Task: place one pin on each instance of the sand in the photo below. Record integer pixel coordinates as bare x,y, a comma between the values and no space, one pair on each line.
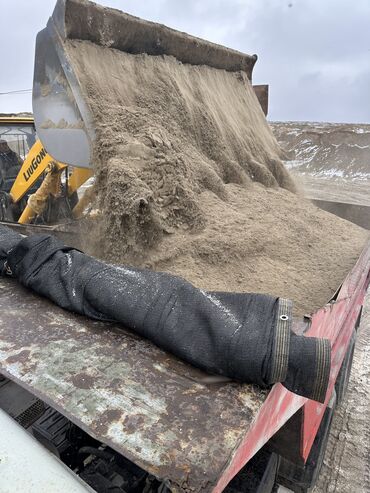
189,180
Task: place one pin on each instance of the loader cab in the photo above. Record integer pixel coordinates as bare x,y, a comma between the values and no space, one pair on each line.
20,133
17,136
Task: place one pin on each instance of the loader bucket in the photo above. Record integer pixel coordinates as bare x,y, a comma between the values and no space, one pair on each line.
62,117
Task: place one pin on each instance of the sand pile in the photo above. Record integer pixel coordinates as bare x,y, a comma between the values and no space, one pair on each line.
189,180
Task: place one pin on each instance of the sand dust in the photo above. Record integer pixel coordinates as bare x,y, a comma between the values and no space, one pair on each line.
189,181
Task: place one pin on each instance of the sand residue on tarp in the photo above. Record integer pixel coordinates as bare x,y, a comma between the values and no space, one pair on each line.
189,180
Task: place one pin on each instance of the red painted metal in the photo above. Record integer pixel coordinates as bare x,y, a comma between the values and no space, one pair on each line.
336,321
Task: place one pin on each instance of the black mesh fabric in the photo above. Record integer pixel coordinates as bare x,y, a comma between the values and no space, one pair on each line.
8,239
238,335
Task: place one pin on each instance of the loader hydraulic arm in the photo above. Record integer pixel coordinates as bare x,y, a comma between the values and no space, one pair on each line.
32,168
37,162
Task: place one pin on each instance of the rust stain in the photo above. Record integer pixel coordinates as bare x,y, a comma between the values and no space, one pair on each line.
103,422
83,381
133,423
20,357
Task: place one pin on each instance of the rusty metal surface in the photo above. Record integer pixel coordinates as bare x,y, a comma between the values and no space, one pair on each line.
147,405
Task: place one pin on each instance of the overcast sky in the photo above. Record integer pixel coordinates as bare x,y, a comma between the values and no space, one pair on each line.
315,54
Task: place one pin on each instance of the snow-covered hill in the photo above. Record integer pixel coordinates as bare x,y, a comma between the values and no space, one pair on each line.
326,150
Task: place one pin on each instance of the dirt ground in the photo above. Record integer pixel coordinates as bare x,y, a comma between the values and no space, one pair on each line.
346,466
346,191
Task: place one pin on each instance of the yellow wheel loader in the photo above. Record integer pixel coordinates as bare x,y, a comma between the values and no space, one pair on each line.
34,188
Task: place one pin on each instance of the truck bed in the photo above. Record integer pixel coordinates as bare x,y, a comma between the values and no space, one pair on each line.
169,418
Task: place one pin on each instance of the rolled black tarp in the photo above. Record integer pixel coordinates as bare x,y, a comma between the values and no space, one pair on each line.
244,336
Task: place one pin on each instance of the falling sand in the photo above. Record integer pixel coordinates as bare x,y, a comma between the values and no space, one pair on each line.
189,180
